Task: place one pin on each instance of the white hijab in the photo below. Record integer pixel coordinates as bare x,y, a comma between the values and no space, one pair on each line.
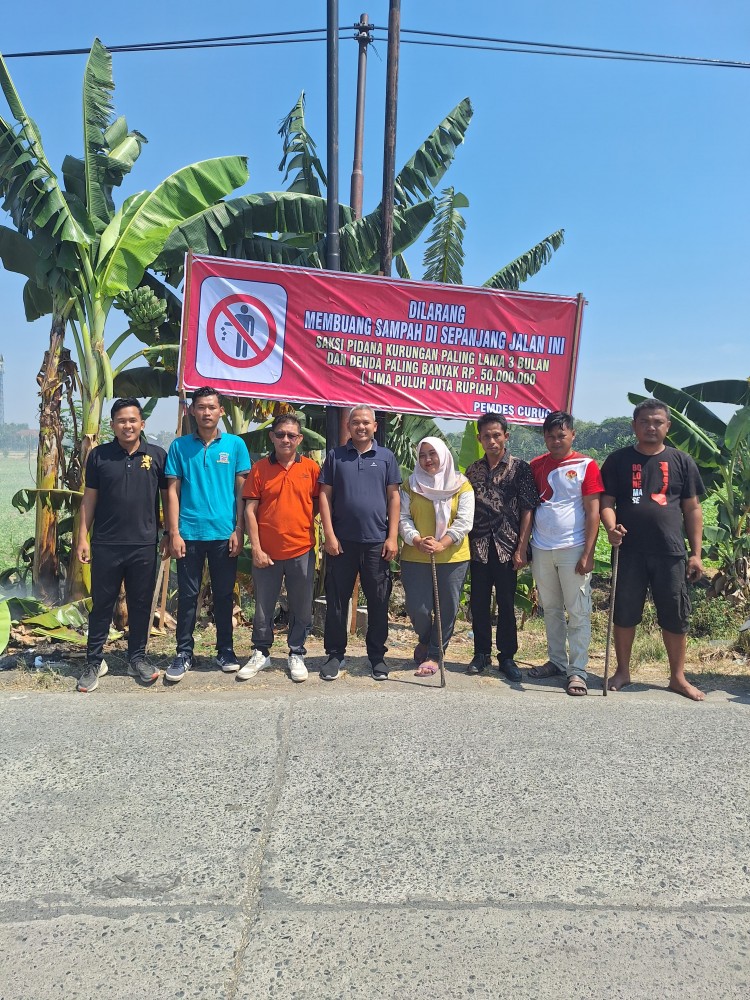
441,487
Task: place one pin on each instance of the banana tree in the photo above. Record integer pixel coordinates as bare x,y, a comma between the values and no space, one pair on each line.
722,452
444,253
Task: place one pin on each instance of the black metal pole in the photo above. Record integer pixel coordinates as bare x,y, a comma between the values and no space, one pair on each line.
364,38
389,147
333,257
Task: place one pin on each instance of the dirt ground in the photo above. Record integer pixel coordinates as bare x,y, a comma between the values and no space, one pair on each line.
712,666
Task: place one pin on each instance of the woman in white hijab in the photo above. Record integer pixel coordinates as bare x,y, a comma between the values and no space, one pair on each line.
437,513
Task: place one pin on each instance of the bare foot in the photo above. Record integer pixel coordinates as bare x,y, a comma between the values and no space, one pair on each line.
682,687
620,680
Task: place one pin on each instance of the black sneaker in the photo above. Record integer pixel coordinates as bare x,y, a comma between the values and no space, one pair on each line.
141,668
178,667
479,663
379,671
227,661
332,668
509,668
89,679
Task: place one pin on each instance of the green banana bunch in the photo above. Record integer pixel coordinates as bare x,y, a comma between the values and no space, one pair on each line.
144,309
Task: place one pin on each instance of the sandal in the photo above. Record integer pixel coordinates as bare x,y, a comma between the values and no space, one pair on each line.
577,686
548,669
426,669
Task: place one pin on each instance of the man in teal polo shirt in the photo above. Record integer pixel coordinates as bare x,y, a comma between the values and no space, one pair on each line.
206,472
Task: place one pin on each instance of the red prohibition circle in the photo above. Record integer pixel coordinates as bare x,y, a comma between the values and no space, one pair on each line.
223,307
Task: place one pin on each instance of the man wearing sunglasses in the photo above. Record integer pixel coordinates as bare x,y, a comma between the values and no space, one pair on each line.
281,501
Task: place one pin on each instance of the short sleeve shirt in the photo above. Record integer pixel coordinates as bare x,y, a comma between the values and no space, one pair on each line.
648,491
359,485
285,505
127,502
502,494
560,518
207,472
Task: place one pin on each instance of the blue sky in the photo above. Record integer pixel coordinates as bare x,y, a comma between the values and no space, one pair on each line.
644,166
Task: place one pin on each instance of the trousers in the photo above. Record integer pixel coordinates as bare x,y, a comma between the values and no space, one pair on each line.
111,566
501,576
222,569
563,590
375,577
299,574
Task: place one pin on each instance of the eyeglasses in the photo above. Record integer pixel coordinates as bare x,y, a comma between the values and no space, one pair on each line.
280,435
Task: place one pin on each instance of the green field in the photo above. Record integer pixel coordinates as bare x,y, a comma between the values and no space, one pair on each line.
15,528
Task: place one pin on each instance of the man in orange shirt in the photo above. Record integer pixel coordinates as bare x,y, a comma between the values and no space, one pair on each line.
281,501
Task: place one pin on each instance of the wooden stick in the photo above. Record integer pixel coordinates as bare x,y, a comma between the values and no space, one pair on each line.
610,622
154,599
436,596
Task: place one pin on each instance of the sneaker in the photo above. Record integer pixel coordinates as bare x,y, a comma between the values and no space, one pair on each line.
297,668
480,662
227,661
258,661
140,667
509,668
379,671
332,668
89,679
178,667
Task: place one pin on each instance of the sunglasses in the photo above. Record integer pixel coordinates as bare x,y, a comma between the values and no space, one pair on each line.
280,435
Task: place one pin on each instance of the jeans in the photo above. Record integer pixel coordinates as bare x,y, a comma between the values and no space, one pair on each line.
375,577
111,566
299,574
222,569
501,576
561,589
420,600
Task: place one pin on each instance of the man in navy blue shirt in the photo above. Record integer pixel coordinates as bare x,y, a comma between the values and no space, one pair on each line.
121,500
359,508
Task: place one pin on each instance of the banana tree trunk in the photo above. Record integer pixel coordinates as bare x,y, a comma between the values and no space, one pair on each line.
45,568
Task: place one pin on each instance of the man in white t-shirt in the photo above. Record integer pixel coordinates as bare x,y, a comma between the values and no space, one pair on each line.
566,523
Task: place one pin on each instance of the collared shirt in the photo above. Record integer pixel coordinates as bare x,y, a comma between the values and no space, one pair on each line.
285,511
359,483
127,502
207,472
502,494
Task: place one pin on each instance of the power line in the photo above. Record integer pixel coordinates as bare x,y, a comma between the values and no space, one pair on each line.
425,38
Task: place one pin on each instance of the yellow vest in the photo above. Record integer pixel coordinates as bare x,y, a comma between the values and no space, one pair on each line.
423,516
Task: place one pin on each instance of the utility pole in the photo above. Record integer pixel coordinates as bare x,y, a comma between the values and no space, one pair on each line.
333,256
389,148
364,38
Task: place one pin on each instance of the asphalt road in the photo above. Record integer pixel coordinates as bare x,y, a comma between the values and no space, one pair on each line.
361,840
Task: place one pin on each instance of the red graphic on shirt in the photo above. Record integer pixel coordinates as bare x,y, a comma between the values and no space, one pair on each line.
661,496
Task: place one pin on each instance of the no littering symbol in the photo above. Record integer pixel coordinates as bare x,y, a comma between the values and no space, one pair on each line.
241,331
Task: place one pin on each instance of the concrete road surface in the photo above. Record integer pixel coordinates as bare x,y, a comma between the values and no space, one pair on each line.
373,841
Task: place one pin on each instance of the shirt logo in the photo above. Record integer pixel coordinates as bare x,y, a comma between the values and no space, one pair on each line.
223,458
571,474
146,462
373,465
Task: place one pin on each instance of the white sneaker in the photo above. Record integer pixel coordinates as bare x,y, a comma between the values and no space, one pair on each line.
257,662
297,668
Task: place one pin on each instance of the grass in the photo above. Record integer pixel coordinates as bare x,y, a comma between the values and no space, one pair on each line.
15,473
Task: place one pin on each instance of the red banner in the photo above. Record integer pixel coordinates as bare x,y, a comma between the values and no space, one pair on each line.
307,336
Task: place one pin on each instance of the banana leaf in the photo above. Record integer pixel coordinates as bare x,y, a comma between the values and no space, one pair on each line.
5,621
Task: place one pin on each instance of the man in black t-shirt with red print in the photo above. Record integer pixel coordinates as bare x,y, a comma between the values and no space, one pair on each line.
650,504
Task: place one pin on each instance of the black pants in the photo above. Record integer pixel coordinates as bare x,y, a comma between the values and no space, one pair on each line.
501,576
111,566
222,569
375,577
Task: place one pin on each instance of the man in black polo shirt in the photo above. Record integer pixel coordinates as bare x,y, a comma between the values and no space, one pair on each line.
359,507
121,500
